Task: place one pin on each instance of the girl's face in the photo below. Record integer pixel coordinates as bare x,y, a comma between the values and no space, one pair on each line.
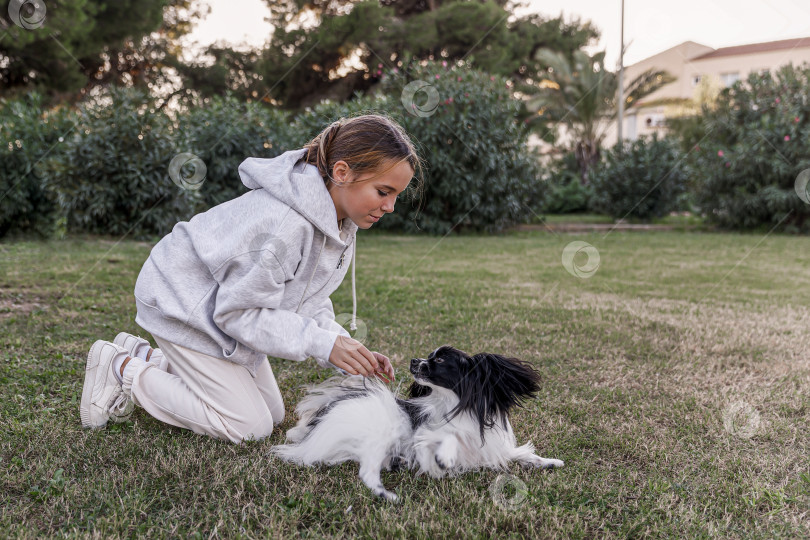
365,202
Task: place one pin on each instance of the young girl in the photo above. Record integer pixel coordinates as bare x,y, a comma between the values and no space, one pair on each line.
249,278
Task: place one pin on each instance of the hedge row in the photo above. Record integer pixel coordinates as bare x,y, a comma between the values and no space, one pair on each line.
121,165
743,163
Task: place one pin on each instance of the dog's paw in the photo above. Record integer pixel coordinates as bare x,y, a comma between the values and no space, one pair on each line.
445,462
446,454
545,463
387,495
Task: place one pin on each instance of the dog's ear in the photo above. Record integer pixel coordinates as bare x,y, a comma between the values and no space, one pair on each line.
417,390
512,380
492,385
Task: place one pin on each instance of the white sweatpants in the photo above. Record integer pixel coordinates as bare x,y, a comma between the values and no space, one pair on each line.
207,395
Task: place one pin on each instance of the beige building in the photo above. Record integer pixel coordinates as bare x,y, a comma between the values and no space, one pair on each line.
700,71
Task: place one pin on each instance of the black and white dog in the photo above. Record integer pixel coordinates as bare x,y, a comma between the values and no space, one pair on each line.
455,419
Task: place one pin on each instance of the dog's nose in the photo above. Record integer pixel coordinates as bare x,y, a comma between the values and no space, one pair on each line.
415,362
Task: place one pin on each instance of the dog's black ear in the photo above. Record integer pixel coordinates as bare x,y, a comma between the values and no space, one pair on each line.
513,380
417,390
492,385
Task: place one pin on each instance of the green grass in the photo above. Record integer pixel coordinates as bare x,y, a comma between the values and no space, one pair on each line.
555,219
676,221
641,365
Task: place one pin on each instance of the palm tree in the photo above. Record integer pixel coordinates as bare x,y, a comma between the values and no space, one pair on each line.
581,94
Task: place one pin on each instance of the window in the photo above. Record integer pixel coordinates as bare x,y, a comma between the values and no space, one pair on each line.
656,120
729,78
696,79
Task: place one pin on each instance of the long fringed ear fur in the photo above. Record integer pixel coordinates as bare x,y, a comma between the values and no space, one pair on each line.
492,385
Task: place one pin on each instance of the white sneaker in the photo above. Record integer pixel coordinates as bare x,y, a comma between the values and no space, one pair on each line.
155,356
132,343
103,399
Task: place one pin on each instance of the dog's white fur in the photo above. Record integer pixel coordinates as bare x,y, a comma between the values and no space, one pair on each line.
373,430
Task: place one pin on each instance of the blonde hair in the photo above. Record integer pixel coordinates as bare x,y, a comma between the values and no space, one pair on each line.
370,143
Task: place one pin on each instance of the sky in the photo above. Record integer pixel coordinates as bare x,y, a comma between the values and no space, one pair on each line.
650,26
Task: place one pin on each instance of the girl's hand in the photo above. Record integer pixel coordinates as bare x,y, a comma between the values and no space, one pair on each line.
385,371
352,356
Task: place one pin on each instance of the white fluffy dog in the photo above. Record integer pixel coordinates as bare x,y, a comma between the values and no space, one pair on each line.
455,419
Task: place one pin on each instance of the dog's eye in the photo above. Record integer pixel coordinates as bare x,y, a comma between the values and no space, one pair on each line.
439,360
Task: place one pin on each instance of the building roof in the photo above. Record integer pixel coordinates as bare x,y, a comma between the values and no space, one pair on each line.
757,48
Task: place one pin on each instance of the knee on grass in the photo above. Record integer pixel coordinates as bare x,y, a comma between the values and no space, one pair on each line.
260,429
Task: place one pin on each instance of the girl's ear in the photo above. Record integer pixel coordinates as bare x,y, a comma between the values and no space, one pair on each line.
341,172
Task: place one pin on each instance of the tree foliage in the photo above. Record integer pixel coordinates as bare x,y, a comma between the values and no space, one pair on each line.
85,43
331,48
582,95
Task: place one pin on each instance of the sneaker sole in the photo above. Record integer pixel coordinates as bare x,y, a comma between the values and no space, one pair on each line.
87,391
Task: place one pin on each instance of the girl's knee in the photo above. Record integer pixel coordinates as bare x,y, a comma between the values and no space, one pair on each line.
260,429
278,414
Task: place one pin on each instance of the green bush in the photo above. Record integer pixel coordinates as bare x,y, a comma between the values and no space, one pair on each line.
111,174
481,174
642,179
312,120
29,133
758,142
564,191
129,169
223,132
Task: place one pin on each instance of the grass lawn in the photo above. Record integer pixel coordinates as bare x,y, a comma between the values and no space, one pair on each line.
676,387
676,221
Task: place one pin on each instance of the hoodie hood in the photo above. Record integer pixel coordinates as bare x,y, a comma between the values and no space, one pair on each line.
300,186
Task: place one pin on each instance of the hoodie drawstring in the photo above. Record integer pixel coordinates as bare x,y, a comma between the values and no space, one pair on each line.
353,325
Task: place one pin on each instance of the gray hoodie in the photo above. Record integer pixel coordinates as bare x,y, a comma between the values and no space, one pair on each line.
251,277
